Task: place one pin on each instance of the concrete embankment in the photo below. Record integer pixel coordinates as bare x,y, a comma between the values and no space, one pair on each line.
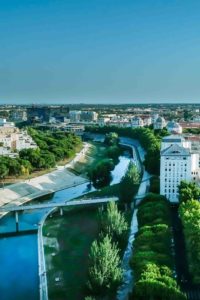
20,193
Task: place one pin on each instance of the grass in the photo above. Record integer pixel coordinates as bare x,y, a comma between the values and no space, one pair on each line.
69,239
94,155
107,191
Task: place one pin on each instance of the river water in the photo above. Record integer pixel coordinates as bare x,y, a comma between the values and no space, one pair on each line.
19,278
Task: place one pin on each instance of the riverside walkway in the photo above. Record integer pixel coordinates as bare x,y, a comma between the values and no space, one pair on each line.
22,192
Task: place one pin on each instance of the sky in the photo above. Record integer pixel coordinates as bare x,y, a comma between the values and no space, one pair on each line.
99,51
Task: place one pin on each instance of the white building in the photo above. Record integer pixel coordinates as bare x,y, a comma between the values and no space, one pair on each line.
4,123
177,163
75,128
75,116
159,123
174,127
12,139
137,122
89,116
24,141
147,121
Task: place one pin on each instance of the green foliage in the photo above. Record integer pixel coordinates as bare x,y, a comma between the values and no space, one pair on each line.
190,216
192,130
111,139
147,138
100,171
100,174
105,272
114,223
157,283
129,184
3,170
51,148
188,191
152,260
154,209
113,152
154,185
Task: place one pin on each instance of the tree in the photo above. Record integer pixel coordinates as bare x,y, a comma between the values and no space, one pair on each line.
113,222
111,139
129,184
100,174
3,171
190,215
147,138
14,167
157,283
188,191
104,271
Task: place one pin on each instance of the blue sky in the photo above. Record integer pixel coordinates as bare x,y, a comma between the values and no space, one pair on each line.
103,51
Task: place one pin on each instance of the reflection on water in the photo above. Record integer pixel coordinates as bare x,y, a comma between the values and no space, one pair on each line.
19,275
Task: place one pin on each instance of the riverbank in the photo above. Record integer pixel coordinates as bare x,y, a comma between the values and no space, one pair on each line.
67,241
128,280
28,220
62,178
54,234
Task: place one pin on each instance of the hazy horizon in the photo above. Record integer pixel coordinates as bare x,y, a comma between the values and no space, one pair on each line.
103,102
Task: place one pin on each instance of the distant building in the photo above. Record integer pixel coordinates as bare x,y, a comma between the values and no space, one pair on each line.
174,127
159,123
24,141
89,116
38,113
147,121
137,122
103,121
75,116
75,128
43,114
177,163
12,139
4,123
18,115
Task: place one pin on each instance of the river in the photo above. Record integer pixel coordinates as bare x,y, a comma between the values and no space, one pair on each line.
19,254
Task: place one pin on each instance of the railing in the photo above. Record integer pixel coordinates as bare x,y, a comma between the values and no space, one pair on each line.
54,205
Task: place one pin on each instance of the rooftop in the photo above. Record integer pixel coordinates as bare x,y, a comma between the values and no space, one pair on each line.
175,150
173,139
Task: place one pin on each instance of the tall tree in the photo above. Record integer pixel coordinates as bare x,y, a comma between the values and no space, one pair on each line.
104,271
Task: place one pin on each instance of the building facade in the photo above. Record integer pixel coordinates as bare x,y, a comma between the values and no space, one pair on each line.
177,163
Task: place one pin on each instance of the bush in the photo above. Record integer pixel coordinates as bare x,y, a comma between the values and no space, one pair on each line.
100,174
129,184
190,216
152,260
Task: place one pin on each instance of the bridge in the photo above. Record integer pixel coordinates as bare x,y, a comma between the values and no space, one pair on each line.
16,209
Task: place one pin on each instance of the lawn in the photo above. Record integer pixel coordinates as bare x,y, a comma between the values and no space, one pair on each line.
96,153
69,240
